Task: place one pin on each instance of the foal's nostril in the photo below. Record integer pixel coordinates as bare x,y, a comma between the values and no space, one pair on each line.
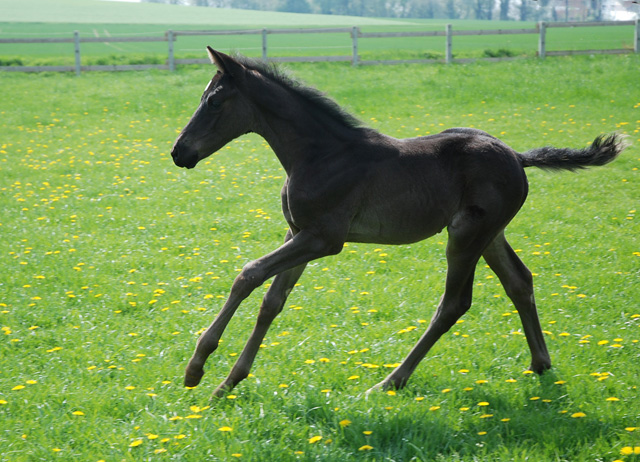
175,151
184,156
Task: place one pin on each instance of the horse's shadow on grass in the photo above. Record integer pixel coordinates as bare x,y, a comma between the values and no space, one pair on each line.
509,428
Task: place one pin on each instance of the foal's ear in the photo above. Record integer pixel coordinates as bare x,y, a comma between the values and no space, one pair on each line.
225,63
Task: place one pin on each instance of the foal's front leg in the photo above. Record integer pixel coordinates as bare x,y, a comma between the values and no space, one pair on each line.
295,252
272,305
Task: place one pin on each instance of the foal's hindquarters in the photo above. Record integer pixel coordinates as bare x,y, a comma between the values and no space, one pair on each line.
494,188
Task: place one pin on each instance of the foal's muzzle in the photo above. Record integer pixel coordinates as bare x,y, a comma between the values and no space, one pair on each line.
184,156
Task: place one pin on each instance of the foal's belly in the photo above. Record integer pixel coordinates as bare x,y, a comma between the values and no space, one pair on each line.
388,225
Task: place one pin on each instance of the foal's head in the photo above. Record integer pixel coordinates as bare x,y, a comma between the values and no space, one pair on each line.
224,114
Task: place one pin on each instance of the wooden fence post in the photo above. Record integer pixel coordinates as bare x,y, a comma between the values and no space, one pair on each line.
172,61
354,38
636,46
76,45
448,50
264,44
542,40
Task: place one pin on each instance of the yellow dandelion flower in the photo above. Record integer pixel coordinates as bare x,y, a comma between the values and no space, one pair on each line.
225,429
366,447
314,439
135,443
578,415
77,413
345,423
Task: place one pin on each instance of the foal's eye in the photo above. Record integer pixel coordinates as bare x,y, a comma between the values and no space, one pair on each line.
213,102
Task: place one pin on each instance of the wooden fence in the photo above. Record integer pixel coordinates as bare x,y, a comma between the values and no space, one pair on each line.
356,34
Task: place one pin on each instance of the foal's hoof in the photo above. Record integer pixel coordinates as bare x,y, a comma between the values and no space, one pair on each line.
220,392
540,368
375,388
387,385
192,378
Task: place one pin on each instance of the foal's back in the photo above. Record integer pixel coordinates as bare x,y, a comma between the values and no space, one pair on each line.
422,184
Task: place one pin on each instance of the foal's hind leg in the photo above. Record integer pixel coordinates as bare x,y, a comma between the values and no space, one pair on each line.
518,283
463,252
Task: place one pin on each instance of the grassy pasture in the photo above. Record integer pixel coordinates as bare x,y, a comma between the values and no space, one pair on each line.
114,260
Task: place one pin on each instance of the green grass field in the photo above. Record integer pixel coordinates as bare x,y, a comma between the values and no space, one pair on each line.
114,260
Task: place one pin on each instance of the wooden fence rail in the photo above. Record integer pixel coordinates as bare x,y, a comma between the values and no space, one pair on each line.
355,33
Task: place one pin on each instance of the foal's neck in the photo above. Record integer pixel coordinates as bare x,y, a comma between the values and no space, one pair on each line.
298,129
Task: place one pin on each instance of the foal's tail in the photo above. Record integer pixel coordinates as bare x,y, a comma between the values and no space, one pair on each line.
603,150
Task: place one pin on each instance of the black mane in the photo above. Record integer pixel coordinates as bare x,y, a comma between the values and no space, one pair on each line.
317,98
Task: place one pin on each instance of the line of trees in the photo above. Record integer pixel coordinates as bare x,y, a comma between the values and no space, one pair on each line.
522,10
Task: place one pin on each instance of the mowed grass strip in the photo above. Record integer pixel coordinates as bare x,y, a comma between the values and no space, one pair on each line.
114,261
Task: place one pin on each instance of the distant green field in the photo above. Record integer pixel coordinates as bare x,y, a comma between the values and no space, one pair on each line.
106,12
